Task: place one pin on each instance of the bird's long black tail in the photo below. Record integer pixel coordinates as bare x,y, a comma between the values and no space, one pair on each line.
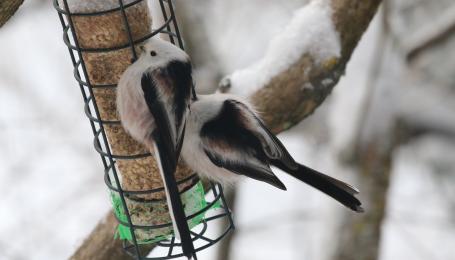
181,228
340,191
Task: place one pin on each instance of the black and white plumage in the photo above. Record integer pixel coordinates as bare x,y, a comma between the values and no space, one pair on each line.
153,96
225,139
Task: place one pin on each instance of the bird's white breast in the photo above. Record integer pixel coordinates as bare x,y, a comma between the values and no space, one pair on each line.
133,111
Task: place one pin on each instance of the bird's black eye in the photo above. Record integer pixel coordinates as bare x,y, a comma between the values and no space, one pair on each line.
152,53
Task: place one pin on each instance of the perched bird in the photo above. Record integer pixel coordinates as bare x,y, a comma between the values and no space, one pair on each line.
225,139
153,96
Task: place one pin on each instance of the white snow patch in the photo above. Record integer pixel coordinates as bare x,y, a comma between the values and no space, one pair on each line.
327,82
307,86
310,31
92,5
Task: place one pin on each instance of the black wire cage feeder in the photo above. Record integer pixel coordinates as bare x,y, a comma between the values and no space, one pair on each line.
101,36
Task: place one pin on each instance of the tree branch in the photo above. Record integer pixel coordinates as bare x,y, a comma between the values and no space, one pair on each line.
282,100
7,9
101,244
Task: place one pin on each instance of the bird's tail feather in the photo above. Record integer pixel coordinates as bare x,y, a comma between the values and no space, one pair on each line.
167,168
340,191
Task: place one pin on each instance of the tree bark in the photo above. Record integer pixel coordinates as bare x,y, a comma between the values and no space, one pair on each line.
7,9
351,18
101,244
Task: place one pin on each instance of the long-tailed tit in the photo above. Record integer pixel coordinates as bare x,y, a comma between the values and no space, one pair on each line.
153,96
225,138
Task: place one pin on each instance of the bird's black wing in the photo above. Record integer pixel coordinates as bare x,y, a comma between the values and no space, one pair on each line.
278,156
176,81
229,144
167,161
272,146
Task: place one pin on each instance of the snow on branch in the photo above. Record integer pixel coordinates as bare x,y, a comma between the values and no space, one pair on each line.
320,40
85,6
304,62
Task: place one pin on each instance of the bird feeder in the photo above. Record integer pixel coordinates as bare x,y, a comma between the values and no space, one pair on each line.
102,37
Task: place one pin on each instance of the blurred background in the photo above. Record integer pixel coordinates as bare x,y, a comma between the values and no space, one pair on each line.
388,127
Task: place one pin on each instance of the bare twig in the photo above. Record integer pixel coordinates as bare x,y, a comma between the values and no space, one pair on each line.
432,33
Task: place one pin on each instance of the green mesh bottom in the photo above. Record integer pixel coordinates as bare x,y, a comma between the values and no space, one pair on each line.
156,213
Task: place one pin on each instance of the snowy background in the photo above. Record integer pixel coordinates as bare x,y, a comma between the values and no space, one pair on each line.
51,177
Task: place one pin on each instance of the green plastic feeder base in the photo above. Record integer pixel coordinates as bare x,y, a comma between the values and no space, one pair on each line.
154,213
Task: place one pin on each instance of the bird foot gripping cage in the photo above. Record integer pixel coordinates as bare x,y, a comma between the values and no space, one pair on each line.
101,36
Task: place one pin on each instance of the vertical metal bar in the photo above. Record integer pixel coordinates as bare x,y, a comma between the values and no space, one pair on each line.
168,27
226,207
128,30
213,185
171,247
176,27
179,38
84,69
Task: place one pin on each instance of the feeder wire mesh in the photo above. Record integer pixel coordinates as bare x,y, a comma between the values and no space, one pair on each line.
170,28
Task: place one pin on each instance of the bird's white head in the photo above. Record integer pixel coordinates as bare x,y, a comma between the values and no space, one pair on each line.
156,53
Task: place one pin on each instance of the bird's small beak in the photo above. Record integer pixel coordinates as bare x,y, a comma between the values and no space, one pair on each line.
139,51
142,48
